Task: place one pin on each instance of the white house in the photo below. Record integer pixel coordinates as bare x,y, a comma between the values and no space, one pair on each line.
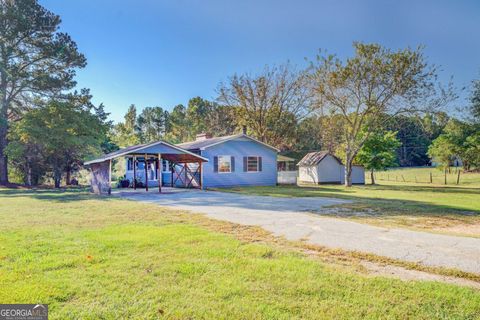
323,167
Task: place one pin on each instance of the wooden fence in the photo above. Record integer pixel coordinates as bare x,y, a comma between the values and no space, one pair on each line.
452,176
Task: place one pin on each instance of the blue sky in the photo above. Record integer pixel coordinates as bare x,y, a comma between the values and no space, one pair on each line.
161,53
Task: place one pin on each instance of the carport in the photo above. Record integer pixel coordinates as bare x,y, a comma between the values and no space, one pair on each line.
153,153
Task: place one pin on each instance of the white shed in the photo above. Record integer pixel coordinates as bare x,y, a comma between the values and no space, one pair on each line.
323,167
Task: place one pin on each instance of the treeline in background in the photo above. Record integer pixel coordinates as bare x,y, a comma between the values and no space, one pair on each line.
379,108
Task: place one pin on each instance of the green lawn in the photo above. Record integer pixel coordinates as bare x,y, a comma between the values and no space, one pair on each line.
451,209
421,175
91,257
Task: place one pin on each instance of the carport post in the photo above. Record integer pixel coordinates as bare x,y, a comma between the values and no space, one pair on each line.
110,176
160,171
200,164
186,177
171,170
134,173
146,173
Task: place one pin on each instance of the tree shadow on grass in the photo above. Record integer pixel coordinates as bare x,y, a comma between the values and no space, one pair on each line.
432,189
53,195
322,189
380,206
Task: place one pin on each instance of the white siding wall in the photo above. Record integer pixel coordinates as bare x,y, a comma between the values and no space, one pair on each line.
330,171
308,174
287,177
358,175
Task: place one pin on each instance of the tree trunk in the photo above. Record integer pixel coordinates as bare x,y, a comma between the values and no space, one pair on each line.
3,161
29,175
3,144
3,125
57,177
372,176
68,176
348,172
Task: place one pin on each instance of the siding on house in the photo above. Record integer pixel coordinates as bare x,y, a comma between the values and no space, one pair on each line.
240,148
237,149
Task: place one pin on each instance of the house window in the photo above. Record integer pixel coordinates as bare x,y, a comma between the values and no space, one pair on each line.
224,164
165,167
141,164
129,164
252,164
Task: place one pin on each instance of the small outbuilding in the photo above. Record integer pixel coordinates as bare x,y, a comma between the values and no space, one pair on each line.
323,167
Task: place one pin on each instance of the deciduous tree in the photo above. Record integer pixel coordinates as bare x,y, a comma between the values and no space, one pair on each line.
58,133
370,87
35,60
270,104
378,152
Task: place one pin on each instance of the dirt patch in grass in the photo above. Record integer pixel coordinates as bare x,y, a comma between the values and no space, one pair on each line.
462,223
472,230
414,275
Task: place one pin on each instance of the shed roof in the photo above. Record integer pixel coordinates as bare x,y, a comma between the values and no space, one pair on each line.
207,143
314,158
177,154
284,158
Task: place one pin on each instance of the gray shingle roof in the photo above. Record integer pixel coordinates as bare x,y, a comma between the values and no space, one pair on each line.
204,143
314,158
216,140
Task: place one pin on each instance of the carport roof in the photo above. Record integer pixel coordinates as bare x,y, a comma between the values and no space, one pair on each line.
179,155
314,158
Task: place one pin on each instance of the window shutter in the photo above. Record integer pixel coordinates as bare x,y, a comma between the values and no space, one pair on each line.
232,163
215,164
259,163
245,164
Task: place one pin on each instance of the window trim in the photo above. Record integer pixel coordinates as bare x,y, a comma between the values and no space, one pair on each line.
229,161
258,164
129,164
167,166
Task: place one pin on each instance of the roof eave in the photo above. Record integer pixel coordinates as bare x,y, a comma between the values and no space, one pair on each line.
100,160
239,136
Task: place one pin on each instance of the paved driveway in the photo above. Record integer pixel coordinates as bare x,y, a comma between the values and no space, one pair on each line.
293,219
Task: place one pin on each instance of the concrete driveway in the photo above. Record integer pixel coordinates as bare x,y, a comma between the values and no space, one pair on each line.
300,218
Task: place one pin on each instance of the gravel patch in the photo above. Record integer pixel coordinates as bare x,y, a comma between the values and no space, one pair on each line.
292,218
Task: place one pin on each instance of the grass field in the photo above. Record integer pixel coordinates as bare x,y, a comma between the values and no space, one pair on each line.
448,209
102,258
421,175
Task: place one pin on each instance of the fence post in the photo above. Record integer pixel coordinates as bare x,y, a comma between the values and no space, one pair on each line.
445,176
458,177
431,178
403,178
